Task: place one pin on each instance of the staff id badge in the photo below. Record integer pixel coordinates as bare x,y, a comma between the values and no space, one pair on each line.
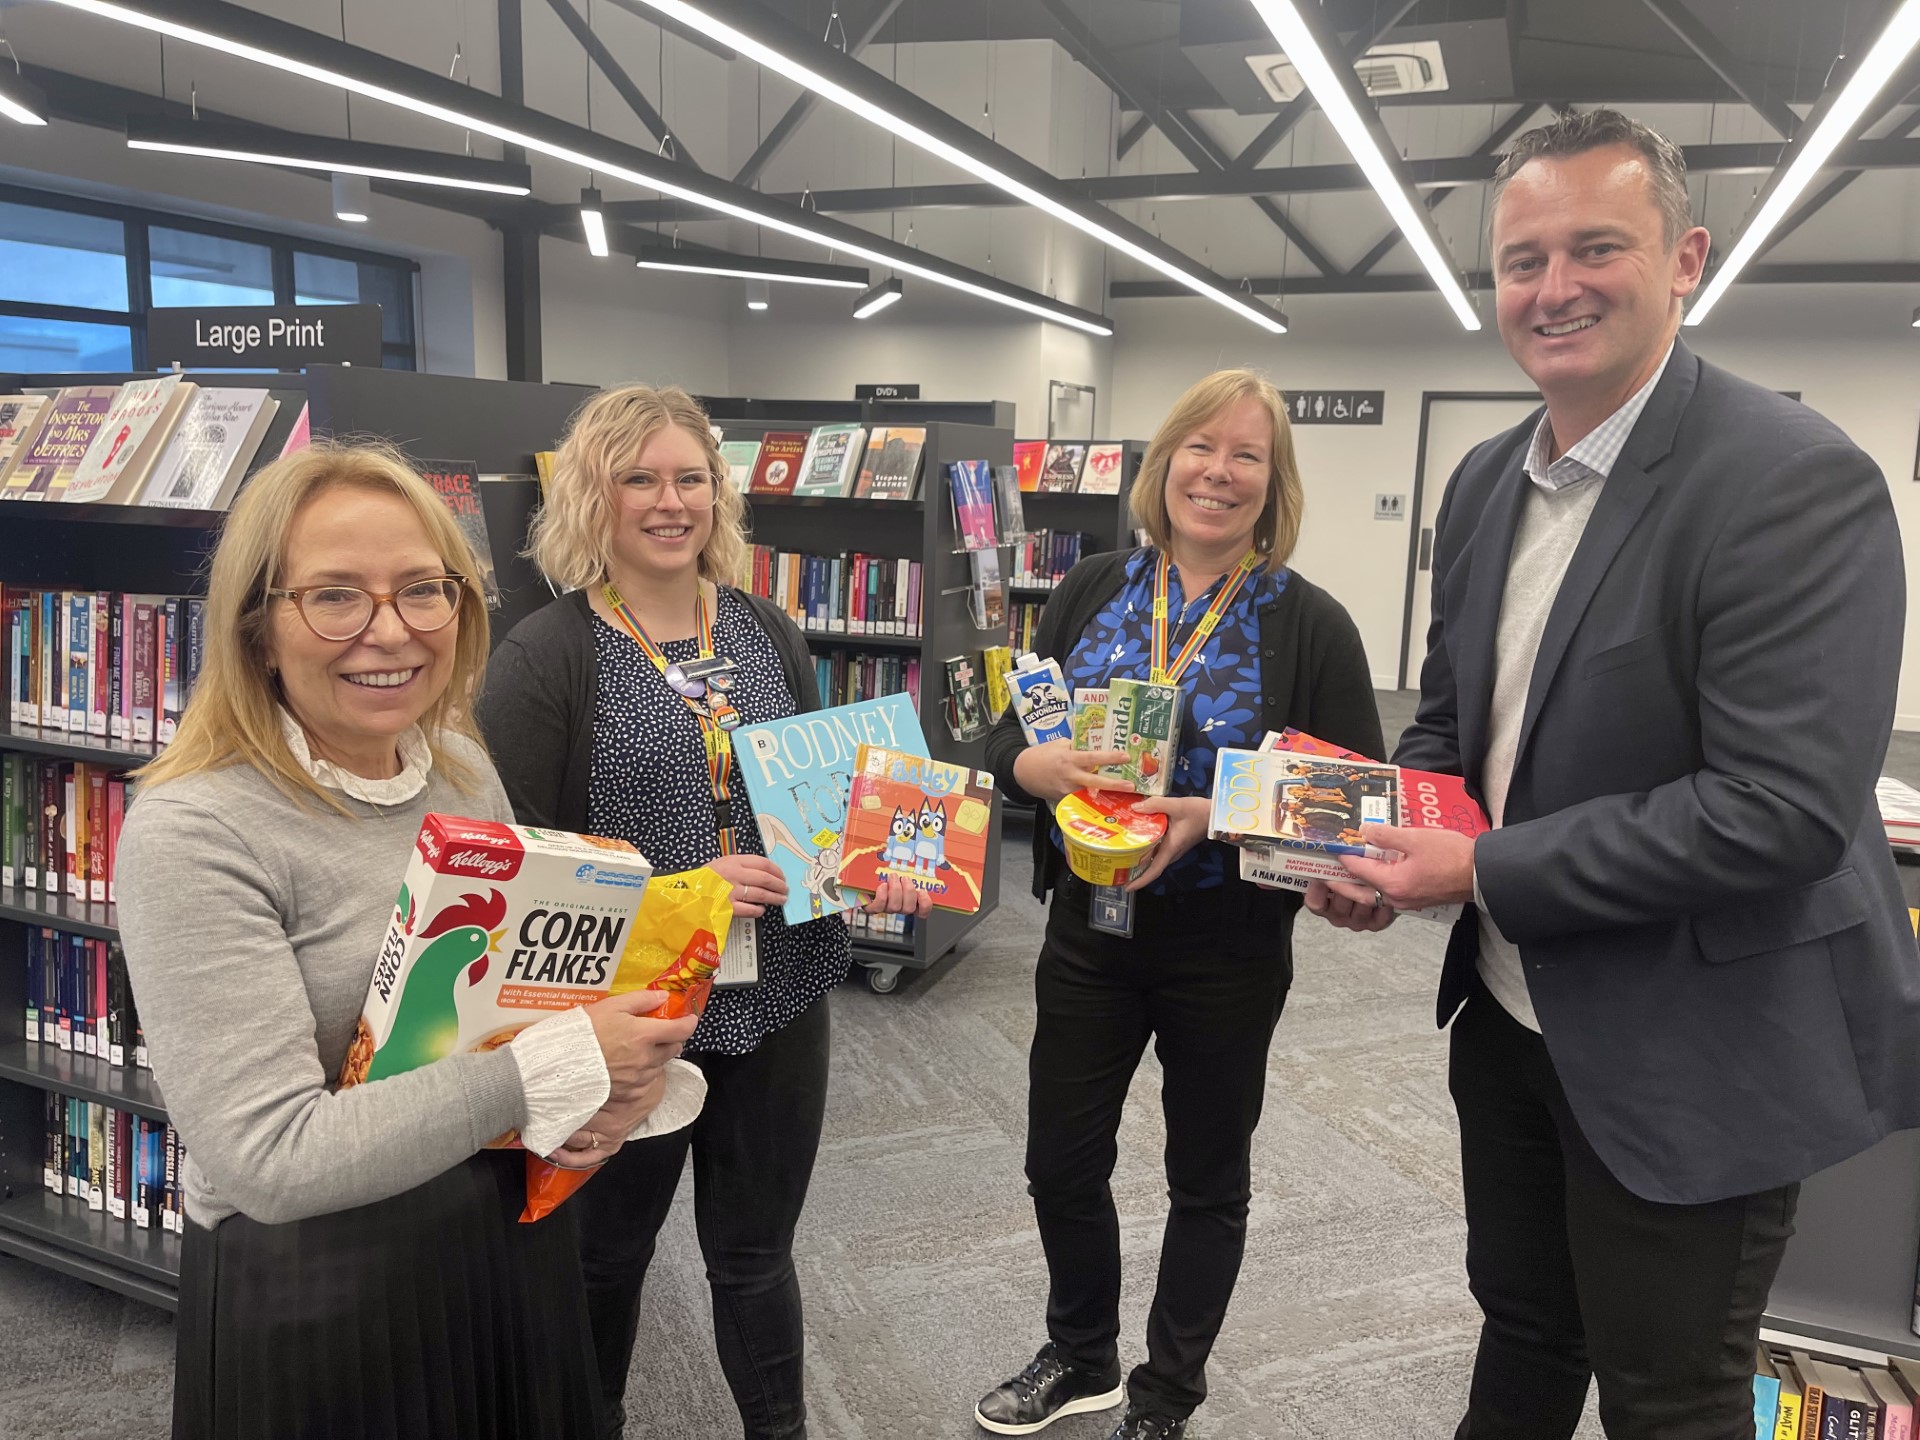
740,960
1110,911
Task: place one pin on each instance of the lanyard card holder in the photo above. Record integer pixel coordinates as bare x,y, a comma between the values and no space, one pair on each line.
1110,911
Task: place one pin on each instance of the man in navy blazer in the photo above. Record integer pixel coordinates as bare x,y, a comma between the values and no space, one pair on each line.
1667,624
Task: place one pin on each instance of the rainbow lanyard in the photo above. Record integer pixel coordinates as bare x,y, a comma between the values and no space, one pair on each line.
1163,673
713,733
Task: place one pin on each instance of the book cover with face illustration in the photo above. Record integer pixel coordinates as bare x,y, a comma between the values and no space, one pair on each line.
921,821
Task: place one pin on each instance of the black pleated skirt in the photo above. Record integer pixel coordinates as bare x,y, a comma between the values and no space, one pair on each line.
434,1315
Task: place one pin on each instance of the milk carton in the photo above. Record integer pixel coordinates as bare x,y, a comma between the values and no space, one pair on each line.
1041,700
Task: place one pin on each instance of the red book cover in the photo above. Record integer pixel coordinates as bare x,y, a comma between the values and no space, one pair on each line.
919,820
1427,800
778,468
96,835
1028,457
116,815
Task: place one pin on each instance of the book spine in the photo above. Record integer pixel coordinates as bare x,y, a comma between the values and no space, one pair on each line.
53,860
110,1169
27,847
97,965
170,670
116,818
11,820
97,838
79,642
144,676
117,990
99,665
77,1148
85,1041
116,667
196,646
143,1174
172,1203
73,781
53,1164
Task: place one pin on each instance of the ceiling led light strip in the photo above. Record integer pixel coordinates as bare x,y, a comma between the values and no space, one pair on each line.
788,68
1314,68
371,172
262,145
698,267
1812,151
603,164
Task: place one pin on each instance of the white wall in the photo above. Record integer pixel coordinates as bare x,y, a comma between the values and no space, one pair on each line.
1847,349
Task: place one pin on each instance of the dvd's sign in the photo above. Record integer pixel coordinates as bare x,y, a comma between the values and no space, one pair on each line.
886,392
264,337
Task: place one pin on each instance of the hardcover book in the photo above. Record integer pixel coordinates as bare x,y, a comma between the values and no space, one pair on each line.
832,460
219,433
1028,458
892,463
798,772
741,457
73,418
919,820
781,452
1102,472
20,417
971,482
1060,474
458,485
129,441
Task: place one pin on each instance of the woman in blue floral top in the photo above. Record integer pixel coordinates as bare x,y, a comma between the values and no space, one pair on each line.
1206,969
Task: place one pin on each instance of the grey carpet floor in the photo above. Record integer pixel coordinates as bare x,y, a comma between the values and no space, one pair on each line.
918,1258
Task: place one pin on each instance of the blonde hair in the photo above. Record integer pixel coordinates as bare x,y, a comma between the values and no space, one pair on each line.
233,717
1278,529
571,539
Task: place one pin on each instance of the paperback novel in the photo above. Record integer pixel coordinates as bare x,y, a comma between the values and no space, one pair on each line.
458,484
73,418
741,457
1060,474
971,484
892,463
1102,473
919,820
1028,458
778,471
832,460
136,429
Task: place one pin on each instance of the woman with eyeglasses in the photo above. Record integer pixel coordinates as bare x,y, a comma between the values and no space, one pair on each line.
353,1262
609,711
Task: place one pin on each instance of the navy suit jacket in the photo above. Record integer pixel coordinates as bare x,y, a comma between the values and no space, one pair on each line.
1692,864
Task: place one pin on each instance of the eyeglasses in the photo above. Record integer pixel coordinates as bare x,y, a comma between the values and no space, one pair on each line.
341,612
697,489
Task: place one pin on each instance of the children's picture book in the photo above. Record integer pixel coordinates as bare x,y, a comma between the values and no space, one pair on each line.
1060,474
458,484
1102,472
129,441
971,485
1012,510
781,452
20,417
919,820
798,772
219,433
892,463
1028,457
832,460
1301,802
741,456
73,418
1092,714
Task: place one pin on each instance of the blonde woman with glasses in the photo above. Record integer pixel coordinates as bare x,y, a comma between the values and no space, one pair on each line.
353,1262
609,711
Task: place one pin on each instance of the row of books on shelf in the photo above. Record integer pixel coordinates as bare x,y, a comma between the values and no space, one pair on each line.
60,827
164,441
847,677
103,665
1799,1397
112,1162
829,461
896,929
1045,556
1053,467
1023,623
850,593
79,999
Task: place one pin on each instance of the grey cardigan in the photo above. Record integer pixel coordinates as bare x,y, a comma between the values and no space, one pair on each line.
537,707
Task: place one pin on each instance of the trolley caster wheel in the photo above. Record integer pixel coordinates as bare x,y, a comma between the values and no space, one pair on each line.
883,979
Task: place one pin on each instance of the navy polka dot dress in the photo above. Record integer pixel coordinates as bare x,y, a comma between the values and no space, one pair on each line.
650,785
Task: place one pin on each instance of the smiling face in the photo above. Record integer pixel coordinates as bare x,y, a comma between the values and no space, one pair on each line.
1587,288
354,698
656,536
1218,482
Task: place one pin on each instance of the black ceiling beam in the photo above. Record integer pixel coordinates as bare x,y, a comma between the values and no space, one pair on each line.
622,82
1296,109
784,127
1196,147
1898,272
1492,145
1895,95
1748,84
1129,137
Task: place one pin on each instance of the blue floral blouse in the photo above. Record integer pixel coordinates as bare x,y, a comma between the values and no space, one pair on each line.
1222,687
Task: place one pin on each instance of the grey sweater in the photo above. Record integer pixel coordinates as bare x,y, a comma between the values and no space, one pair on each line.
251,926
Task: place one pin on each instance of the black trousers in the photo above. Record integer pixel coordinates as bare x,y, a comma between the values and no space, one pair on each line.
1581,1279
1205,976
753,1152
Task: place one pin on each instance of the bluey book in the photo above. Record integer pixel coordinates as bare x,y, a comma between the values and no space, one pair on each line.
798,772
926,822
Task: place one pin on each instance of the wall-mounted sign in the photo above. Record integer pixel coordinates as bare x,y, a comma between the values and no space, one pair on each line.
886,392
1335,407
263,337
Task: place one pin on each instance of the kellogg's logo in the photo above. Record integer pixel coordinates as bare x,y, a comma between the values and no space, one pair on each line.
476,848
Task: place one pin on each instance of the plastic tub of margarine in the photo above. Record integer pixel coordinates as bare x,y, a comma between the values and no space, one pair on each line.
1108,837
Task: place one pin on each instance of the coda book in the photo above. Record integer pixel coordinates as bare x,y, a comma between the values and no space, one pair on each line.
922,821
798,773
1301,802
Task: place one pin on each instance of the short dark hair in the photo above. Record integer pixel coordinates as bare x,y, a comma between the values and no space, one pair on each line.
1575,134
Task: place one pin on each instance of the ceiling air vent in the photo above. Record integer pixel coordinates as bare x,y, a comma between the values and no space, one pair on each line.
1386,71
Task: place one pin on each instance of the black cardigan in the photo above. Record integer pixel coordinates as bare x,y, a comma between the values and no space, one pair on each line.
536,709
1313,673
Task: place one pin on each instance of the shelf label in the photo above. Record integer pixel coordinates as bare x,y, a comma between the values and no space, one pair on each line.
263,337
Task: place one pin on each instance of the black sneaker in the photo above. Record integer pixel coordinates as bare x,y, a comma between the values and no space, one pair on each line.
1141,1423
1044,1391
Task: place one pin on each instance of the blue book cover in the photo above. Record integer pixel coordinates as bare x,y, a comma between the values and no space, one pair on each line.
798,773
1766,1403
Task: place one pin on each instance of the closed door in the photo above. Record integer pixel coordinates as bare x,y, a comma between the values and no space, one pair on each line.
1450,426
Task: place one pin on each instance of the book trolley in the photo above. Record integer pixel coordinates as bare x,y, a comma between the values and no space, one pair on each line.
921,527
496,424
